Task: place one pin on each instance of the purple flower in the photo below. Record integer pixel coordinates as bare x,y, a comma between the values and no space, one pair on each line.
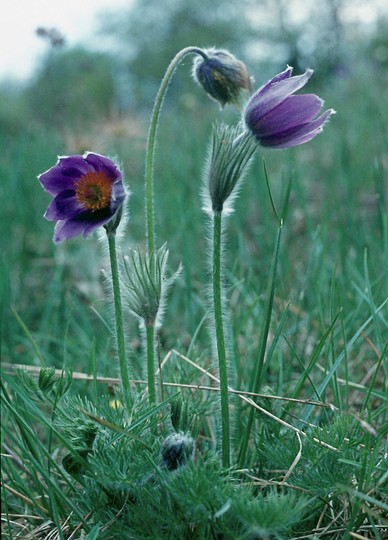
223,77
279,119
87,190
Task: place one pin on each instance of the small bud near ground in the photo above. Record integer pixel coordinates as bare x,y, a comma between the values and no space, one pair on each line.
177,449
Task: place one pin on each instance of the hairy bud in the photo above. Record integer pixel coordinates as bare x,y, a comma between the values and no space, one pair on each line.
176,450
223,76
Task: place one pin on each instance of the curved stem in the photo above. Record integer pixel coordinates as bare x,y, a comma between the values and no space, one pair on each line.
220,337
118,311
149,195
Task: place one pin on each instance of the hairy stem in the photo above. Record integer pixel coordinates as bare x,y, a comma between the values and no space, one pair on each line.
220,338
150,344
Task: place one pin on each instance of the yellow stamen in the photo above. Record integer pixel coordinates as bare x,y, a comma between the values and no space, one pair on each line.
94,191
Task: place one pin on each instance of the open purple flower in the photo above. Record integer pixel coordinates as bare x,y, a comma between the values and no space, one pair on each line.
279,119
87,190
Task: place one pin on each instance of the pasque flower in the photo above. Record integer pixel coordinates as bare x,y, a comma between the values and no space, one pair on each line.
222,75
279,119
88,192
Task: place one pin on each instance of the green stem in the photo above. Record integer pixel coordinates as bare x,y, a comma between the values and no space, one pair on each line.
220,338
150,342
118,311
149,195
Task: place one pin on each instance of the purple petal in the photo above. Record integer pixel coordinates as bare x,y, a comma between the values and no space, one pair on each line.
118,196
297,135
293,112
295,141
104,164
64,230
64,206
272,94
63,175
286,74
91,227
84,224
73,166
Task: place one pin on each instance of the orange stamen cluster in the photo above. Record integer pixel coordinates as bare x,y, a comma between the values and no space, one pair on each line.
94,191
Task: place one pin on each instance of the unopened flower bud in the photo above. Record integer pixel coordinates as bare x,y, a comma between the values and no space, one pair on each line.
46,379
223,76
177,449
229,157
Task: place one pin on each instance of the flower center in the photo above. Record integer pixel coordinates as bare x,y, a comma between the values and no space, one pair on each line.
94,191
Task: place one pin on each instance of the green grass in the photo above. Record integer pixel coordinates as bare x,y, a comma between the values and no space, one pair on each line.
327,342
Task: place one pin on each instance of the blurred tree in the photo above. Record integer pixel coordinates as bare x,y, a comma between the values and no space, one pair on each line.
302,33
14,111
377,49
52,35
329,36
152,32
266,34
72,88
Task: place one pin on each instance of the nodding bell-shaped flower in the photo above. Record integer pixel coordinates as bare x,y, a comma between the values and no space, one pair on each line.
223,77
279,119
